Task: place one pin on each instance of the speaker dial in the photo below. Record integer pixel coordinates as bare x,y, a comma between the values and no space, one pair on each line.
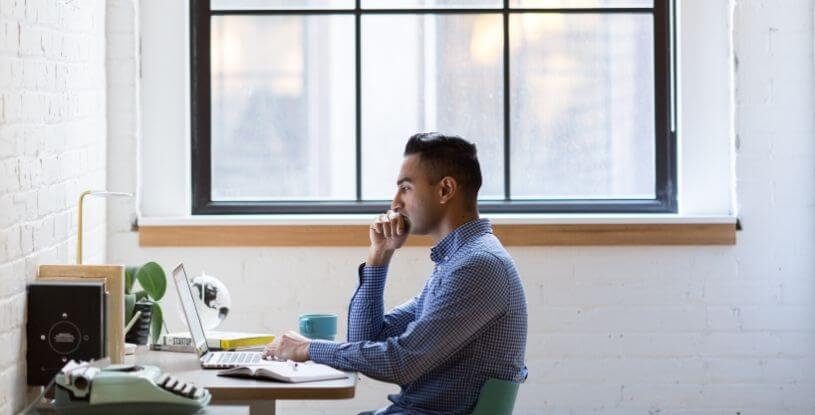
64,337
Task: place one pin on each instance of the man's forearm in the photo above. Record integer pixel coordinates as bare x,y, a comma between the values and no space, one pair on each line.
380,360
365,313
379,257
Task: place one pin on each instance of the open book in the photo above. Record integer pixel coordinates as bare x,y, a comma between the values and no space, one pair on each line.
286,371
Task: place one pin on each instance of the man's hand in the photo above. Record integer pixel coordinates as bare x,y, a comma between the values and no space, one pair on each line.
388,233
290,346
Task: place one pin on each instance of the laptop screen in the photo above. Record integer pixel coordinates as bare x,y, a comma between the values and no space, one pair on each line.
182,285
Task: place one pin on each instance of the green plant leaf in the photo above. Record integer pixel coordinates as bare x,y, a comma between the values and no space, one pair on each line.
130,305
130,277
156,323
153,279
140,295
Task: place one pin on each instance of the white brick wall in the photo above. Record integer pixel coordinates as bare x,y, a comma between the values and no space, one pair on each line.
645,330
52,146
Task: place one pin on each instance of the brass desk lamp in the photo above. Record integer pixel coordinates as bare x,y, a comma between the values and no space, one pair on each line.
102,193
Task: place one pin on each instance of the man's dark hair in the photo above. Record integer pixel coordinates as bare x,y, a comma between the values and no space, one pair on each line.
448,155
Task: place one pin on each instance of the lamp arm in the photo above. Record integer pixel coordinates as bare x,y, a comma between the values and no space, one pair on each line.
79,227
104,193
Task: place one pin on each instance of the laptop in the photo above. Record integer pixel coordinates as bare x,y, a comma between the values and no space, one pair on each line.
209,359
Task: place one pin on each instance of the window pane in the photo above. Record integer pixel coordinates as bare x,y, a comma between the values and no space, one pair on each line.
283,107
397,4
280,4
576,4
582,106
430,73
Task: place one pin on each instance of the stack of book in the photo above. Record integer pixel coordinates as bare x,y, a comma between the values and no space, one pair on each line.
216,340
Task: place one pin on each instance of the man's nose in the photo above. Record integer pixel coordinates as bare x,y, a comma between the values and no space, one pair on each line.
396,204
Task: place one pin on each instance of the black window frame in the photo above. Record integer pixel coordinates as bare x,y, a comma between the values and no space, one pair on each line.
665,201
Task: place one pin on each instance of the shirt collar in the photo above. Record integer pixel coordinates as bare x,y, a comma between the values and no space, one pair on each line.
454,240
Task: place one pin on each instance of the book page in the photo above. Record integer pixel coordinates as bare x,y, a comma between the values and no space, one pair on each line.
288,371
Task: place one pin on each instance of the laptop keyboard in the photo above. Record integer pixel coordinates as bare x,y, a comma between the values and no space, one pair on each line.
239,358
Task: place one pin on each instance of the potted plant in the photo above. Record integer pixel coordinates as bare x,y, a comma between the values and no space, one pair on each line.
153,283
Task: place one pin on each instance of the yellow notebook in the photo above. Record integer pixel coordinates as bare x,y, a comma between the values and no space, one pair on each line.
223,340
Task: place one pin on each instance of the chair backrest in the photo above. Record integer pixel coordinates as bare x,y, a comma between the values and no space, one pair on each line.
497,397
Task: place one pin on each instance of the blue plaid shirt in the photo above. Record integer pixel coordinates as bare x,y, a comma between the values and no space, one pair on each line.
467,325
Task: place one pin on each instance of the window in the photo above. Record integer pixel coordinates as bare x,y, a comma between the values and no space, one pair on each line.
304,106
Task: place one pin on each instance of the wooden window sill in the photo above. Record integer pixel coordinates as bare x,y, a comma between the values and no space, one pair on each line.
620,231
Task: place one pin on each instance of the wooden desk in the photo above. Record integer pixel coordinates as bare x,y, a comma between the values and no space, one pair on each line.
260,395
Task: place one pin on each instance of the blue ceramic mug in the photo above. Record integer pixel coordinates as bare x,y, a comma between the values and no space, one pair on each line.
318,326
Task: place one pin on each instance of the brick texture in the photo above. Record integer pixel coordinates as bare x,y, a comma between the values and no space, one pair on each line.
52,146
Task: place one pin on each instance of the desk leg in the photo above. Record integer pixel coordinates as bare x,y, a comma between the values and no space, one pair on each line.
262,408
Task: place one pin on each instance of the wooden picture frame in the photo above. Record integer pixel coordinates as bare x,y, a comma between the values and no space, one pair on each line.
114,278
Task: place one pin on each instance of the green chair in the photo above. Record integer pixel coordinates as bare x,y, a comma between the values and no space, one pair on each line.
497,397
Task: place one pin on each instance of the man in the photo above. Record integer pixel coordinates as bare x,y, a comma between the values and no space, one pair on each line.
469,322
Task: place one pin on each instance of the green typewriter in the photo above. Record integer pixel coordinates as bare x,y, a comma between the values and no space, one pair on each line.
124,390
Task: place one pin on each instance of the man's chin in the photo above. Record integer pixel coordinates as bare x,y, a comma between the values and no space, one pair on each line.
414,230
411,227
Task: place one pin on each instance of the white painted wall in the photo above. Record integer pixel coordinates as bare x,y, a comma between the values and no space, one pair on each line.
52,147
613,330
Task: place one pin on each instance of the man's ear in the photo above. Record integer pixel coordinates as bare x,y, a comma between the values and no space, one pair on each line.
447,189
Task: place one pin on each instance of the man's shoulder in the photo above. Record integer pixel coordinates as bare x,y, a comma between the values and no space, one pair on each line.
485,248
485,254
480,259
